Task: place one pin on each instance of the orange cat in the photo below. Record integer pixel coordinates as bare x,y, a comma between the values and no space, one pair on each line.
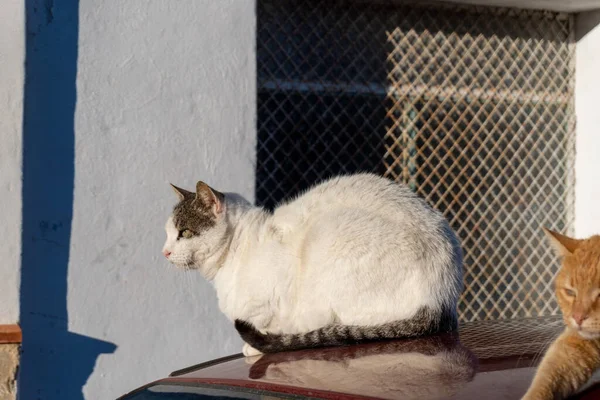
575,354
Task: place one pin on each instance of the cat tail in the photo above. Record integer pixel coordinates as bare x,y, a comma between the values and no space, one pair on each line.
424,322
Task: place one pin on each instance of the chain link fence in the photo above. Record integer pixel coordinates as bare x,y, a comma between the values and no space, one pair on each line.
472,107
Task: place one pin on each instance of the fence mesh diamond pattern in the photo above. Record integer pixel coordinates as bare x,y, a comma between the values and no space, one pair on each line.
472,107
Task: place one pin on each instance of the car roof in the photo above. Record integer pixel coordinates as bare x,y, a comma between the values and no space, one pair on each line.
486,359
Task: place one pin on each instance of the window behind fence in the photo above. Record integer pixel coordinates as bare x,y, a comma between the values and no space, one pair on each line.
472,107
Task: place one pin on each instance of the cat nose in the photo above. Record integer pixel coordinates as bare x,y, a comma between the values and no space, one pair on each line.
167,253
579,317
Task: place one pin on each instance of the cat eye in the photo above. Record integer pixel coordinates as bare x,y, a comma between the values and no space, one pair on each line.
186,233
569,292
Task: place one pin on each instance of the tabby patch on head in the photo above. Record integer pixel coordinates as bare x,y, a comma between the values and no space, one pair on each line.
194,229
196,212
191,218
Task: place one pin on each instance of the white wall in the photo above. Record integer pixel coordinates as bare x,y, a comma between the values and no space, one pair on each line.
12,53
165,92
587,166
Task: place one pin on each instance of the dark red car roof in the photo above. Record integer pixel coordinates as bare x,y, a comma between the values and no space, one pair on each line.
487,360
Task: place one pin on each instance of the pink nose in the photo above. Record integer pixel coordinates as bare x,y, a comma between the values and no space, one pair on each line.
579,318
167,253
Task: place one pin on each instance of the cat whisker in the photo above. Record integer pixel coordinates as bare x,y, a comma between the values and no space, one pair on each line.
188,279
546,344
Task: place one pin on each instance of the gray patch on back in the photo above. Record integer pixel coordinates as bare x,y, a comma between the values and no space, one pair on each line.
425,322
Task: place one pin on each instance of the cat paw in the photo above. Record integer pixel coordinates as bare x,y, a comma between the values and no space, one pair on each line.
250,351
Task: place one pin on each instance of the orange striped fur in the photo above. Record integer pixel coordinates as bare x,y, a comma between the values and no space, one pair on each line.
574,356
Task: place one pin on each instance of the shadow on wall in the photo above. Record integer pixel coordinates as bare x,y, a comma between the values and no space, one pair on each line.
55,363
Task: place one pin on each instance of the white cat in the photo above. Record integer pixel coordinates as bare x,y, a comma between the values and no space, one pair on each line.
354,258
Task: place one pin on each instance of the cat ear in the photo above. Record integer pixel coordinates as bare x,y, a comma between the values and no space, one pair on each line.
209,197
563,245
181,193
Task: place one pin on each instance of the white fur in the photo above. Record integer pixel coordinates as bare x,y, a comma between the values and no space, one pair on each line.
355,250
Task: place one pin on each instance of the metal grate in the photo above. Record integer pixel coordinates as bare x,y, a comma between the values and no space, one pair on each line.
472,107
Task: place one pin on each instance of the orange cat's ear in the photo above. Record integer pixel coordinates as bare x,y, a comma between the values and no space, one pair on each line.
563,245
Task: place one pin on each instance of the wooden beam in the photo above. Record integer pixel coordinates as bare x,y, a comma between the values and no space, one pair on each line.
10,334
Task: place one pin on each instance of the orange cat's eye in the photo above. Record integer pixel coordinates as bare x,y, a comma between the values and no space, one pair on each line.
569,292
